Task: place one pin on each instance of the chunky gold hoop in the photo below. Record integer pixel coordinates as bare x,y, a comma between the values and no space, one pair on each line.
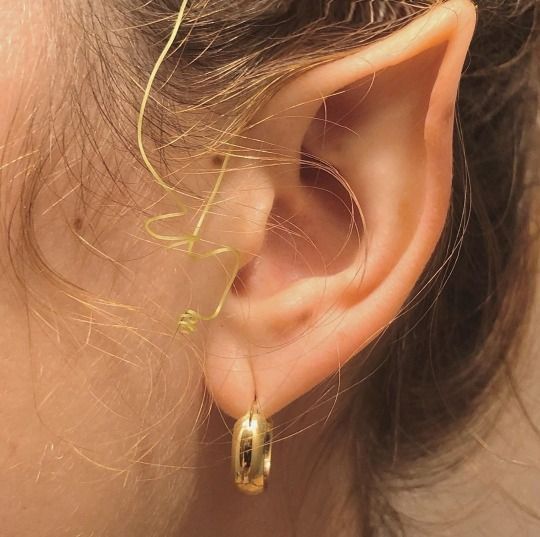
252,451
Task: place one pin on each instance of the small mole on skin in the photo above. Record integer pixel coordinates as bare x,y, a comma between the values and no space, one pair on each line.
77,223
217,160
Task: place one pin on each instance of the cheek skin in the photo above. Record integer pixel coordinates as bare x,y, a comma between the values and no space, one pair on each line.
95,423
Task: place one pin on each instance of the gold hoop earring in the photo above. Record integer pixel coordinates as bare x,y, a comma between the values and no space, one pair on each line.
252,451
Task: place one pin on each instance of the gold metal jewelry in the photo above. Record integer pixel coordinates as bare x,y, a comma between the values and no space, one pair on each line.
251,451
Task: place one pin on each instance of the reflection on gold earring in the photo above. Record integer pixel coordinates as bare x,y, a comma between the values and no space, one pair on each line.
251,451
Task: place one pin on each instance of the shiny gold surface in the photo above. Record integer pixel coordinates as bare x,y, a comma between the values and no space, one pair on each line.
251,452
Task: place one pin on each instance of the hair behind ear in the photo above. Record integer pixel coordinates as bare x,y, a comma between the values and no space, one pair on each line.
448,365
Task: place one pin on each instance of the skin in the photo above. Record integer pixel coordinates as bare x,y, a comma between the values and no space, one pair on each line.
105,422
96,419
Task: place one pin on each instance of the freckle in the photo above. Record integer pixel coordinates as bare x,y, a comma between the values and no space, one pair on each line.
77,223
12,448
217,160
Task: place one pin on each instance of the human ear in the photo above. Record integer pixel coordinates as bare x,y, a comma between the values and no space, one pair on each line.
314,290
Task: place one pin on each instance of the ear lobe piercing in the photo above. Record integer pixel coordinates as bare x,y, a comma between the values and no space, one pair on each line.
251,451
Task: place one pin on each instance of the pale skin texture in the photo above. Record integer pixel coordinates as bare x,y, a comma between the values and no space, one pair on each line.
101,407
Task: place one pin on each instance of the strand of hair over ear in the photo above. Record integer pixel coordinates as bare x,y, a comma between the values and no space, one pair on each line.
187,322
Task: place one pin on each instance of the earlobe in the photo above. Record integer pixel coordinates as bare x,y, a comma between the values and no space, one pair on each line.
366,139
